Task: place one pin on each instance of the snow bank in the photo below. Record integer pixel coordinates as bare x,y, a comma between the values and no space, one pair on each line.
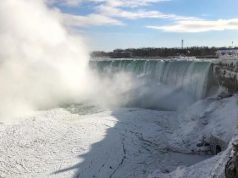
122,143
210,117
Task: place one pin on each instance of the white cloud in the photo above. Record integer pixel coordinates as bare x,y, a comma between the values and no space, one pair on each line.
199,26
138,14
65,2
107,12
114,3
92,19
131,3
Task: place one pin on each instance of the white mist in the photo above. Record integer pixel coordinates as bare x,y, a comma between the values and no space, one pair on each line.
41,63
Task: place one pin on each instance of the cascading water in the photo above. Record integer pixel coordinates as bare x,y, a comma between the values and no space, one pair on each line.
161,84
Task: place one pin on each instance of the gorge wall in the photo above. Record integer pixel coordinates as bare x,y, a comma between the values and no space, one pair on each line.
226,74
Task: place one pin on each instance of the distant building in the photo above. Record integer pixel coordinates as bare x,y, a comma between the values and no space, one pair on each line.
227,54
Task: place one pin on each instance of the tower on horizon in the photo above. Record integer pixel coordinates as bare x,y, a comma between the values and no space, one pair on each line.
182,43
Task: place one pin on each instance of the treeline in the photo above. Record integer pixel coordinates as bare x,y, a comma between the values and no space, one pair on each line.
159,52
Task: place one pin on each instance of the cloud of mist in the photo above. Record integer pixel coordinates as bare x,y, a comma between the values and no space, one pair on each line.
41,63
124,88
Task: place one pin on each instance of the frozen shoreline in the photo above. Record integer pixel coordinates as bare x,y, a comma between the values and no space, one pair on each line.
122,143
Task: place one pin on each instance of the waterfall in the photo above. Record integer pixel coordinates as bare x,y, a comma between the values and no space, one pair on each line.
189,77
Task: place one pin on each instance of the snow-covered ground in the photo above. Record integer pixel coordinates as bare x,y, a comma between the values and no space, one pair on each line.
206,118
121,143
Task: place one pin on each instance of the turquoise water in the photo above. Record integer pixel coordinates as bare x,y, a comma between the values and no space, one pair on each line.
191,77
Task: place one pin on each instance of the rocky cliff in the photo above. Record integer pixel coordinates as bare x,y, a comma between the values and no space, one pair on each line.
226,74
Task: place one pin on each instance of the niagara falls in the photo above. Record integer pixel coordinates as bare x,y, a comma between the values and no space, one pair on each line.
118,89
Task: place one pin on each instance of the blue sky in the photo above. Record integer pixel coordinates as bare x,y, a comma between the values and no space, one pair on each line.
110,24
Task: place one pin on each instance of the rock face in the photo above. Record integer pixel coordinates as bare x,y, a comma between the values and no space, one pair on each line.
226,74
231,169
217,144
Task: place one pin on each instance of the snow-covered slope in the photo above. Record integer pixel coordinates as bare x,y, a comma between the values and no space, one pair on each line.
123,143
210,117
